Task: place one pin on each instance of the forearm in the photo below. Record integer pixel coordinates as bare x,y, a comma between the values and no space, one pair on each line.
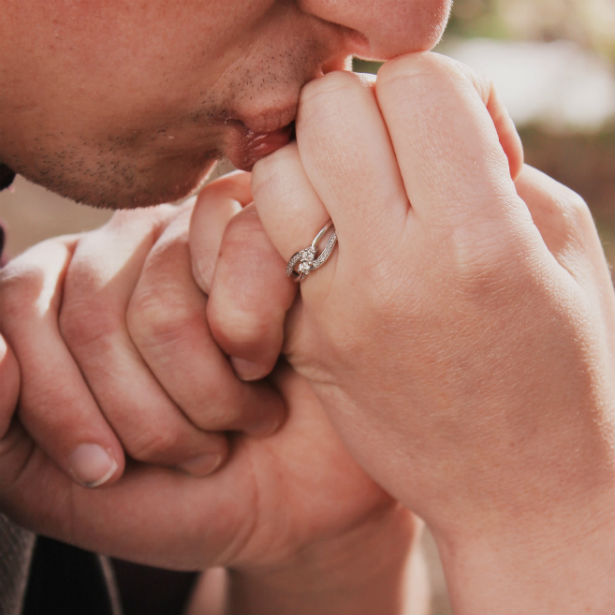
361,572
336,588
559,565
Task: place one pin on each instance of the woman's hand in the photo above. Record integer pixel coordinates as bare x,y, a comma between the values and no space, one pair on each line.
460,337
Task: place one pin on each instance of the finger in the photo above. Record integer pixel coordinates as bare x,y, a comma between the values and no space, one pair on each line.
567,228
446,143
347,155
9,386
56,406
217,203
151,515
506,130
104,272
562,217
290,210
250,296
168,323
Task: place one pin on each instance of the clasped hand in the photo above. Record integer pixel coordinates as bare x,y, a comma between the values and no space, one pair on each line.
109,332
458,339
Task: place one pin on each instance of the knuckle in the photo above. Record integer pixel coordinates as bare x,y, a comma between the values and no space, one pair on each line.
19,291
240,228
426,73
87,313
576,212
156,446
236,329
221,410
489,260
247,304
244,248
86,321
324,99
565,216
380,277
157,313
153,319
29,283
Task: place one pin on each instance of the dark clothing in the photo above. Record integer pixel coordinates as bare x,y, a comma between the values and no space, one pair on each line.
41,576
6,176
67,580
16,548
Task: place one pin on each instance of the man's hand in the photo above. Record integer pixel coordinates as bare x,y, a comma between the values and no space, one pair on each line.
111,335
284,510
272,504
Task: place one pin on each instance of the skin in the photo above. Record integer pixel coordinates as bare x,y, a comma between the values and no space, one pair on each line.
115,149
129,104
93,109
147,133
460,199
494,361
233,519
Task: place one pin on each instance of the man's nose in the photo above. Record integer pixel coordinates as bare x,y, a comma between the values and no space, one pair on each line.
383,29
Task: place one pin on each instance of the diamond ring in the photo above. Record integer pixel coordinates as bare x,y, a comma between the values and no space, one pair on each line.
303,262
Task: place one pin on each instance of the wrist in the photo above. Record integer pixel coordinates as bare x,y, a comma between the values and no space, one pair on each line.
558,561
363,570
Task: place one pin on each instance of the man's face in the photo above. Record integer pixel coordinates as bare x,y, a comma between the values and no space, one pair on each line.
123,103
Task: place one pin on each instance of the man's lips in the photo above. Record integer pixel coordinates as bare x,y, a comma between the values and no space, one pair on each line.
245,147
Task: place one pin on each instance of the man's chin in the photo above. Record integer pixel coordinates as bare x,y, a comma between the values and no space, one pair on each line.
168,184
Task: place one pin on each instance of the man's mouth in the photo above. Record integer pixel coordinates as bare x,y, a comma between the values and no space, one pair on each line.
246,147
252,135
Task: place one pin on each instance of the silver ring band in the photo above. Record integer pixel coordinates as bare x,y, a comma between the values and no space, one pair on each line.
303,262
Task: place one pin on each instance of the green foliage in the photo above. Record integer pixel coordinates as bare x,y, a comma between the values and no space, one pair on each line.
365,66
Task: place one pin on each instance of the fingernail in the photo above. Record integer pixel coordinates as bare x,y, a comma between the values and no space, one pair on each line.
91,465
267,427
248,370
203,465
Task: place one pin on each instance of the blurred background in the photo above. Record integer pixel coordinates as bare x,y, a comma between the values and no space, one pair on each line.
553,63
